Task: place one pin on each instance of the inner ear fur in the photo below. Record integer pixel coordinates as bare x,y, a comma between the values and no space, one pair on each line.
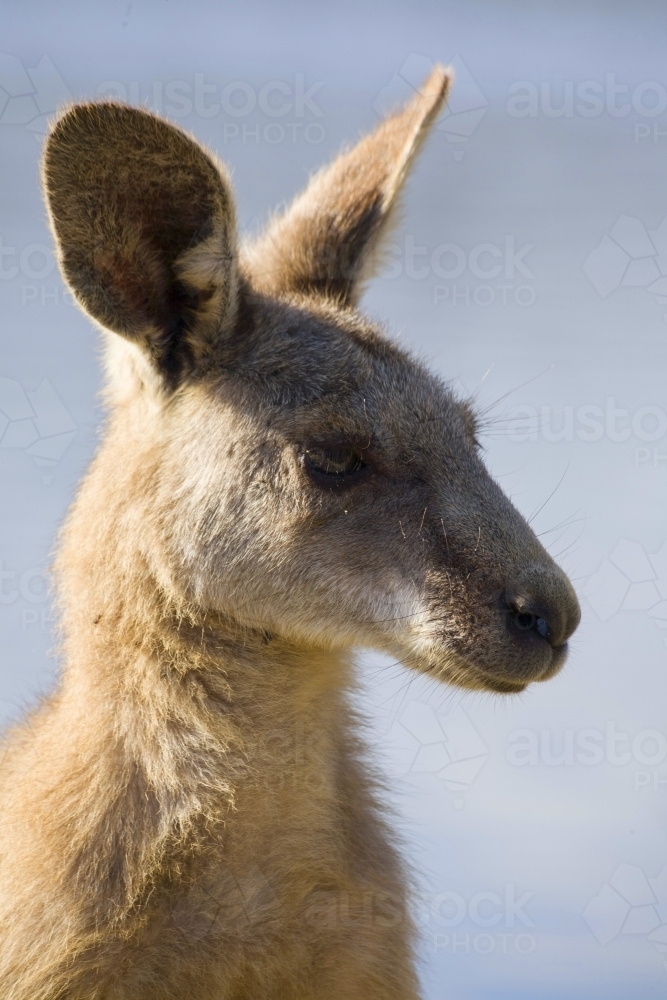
325,243
145,228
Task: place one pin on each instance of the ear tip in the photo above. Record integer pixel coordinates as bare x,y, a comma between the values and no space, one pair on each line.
89,114
85,131
446,74
429,98
72,123
437,84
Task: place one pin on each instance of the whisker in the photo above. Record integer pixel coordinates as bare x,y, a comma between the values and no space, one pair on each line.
558,484
516,389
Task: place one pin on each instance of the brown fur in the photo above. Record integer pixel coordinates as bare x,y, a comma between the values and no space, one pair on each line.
190,815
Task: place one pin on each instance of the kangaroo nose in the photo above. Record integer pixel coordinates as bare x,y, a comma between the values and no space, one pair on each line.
543,602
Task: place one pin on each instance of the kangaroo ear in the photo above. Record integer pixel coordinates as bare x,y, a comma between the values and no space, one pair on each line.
144,222
324,242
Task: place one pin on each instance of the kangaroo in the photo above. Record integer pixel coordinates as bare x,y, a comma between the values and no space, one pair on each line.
192,815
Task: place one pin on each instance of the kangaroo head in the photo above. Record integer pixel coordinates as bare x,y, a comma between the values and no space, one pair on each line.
291,467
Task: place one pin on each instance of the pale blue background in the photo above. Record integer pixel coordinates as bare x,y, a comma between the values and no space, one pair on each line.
560,183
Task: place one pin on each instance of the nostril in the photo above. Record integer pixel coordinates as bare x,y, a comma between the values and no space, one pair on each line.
529,621
525,620
541,602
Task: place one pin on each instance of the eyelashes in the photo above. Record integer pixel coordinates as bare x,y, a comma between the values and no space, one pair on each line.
336,465
336,462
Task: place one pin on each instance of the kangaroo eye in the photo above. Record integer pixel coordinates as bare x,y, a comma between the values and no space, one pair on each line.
337,462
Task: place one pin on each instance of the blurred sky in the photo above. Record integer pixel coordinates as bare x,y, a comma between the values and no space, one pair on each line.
530,268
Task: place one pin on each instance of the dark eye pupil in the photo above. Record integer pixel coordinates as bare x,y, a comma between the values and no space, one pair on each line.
340,461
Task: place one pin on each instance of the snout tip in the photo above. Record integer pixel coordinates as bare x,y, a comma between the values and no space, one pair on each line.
518,636
543,604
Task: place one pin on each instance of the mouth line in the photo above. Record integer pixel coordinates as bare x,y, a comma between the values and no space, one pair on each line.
504,687
468,674
504,684
460,670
